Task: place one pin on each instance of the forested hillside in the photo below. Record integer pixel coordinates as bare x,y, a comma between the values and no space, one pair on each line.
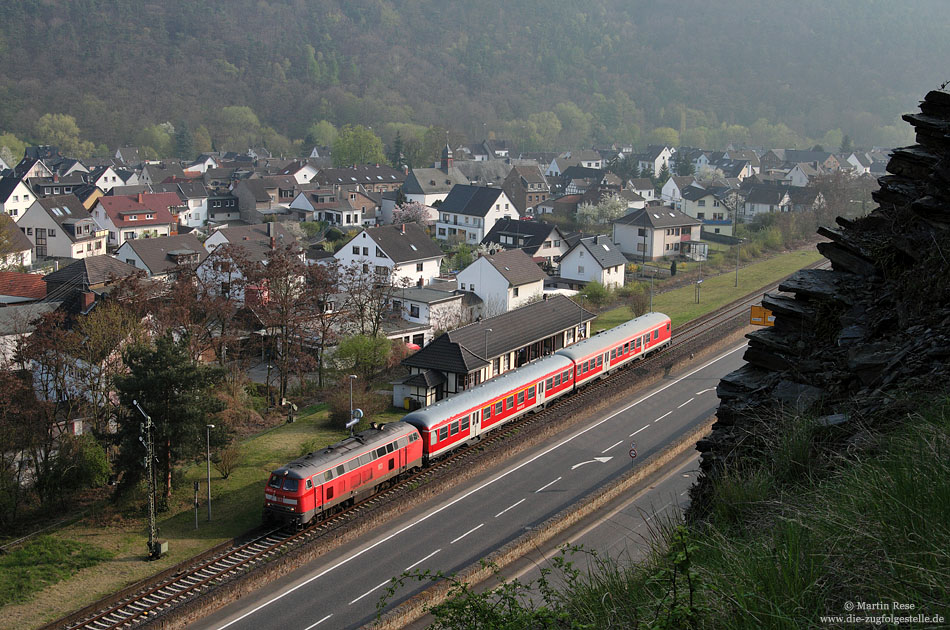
548,74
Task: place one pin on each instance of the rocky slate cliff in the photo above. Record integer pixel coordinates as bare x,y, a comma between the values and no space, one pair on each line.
849,337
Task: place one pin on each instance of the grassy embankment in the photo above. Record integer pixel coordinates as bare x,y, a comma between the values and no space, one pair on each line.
236,501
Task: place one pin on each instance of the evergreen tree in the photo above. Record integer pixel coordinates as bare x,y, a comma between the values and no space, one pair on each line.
395,152
684,166
846,146
178,394
184,142
661,179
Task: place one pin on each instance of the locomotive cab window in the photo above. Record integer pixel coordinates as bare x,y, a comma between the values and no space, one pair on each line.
309,484
390,447
274,481
328,475
291,484
667,326
380,451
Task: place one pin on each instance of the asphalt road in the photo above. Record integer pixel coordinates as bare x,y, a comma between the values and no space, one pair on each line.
342,588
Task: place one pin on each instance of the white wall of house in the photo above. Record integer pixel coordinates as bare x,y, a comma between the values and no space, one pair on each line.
19,200
631,240
580,265
118,236
197,213
797,177
475,228
58,241
108,180
363,251
482,279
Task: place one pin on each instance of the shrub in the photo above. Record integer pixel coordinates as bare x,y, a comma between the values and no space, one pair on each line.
596,294
339,404
227,460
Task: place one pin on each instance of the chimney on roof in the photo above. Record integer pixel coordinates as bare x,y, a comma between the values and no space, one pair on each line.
55,177
269,226
141,197
86,300
273,243
403,226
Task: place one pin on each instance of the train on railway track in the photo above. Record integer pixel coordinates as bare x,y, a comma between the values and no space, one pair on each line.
369,461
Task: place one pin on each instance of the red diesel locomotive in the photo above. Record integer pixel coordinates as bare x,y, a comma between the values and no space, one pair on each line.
358,466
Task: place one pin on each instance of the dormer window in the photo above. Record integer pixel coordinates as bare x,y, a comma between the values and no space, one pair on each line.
148,216
133,217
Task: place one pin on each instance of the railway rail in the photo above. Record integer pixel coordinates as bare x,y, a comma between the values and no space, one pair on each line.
188,580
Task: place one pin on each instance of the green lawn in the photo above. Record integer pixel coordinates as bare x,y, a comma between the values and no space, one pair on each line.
716,291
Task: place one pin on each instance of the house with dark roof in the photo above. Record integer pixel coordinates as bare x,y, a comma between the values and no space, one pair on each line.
430,310
655,158
429,185
713,205
79,284
158,173
17,322
128,156
763,198
194,200
161,257
128,217
56,184
656,232
401,254
17,247
593,259
504,281
104,177
469,212
61,226
374,178
544,242
672,191
15,196
464,357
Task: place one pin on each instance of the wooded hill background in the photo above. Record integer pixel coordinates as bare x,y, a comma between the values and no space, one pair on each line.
548,74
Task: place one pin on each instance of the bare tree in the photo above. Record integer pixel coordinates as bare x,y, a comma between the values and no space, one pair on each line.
369,296
323,284
412,212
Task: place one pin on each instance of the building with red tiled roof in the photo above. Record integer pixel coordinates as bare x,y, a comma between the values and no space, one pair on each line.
18,288
129,217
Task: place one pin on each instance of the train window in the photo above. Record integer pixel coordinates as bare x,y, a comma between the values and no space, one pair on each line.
444,433
600,360
667,326
499,407
531,392
557,380
329,493
638,342
412,438
309,484
626,347
403,442
366,458
520,397
486,412
340,470
613,353
550,383
510,402
390,447
435,437
464,424
328,475
274,481
381,451
656,334
291,484
454,428
566,376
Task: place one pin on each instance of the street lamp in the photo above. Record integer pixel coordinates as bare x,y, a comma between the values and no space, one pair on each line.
352,378
209,427
651,288
738,247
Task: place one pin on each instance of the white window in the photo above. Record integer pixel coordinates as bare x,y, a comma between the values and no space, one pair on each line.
580,269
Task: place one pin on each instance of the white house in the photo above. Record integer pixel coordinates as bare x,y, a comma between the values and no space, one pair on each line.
762,199
655,158
594,259
61,226
469,212
194,199
429,185
15,197
658,231
126,218
672,191
504,281
300,171
433,308
105,178
403,254
801,174
18,248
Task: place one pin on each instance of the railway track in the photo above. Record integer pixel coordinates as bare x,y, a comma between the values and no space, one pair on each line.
148,602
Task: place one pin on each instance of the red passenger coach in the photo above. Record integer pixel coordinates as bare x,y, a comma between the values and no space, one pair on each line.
342,473
606,351
449,423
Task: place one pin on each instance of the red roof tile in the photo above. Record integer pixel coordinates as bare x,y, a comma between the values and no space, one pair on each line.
25,285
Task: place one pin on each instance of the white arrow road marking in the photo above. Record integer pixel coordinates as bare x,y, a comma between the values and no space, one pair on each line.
369,591
686,403
465,534
546,485
710,389
602,460
610,447
663,416
509,507
319,622
415,564
638,430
